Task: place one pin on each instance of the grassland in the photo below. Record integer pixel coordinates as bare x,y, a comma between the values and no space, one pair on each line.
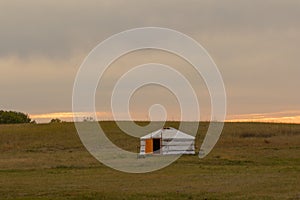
250,161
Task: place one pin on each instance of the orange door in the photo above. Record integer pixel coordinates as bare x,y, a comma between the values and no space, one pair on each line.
149,146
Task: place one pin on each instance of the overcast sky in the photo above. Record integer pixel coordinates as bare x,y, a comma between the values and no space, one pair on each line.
255,45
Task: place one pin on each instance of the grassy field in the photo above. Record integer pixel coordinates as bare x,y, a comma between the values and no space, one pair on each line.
250,161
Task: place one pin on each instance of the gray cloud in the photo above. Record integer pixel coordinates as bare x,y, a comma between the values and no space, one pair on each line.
57,29
254,43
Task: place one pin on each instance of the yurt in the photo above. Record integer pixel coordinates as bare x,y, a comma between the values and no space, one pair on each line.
167,141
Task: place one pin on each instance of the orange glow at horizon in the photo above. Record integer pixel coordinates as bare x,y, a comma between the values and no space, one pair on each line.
291,119
276,117
67,116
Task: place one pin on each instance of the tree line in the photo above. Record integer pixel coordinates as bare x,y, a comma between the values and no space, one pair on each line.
13,117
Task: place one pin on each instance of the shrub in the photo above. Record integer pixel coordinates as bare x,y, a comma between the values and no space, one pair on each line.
56,120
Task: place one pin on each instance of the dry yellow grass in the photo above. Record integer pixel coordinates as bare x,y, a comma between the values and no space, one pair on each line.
250,161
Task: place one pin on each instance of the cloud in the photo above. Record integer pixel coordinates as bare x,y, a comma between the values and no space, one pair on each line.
254,43
28,87
57,29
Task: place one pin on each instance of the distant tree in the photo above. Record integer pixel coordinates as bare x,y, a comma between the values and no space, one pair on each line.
56,120
13,117
88,119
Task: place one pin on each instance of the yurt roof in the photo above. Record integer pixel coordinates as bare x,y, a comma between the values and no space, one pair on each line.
168,132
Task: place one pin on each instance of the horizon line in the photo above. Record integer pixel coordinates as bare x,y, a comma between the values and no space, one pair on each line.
286,117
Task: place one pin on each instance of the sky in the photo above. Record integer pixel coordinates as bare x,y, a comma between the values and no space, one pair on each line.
255,45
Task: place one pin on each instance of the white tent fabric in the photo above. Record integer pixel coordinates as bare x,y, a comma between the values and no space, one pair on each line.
170,141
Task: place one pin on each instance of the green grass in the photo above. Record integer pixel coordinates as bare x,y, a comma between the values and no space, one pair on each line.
250,161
